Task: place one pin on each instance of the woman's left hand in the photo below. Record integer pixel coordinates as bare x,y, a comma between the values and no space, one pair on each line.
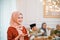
24,34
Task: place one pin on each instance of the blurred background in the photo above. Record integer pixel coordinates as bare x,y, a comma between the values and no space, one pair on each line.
32,11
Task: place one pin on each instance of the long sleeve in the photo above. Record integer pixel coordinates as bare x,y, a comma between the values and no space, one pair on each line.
11,33
25,32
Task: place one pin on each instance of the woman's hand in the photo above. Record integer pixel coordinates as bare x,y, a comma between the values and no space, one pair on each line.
49,28
23,34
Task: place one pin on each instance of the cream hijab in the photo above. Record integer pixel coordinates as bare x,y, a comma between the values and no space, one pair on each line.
14,17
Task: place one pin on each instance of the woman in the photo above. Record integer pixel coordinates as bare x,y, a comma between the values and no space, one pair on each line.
16,30
43,27
45,30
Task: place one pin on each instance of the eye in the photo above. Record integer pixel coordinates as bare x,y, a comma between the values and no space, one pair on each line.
21,17
18,17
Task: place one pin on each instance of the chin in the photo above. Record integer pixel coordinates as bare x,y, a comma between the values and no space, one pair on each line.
20,23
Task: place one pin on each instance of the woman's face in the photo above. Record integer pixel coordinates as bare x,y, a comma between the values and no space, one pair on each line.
44,26
20,19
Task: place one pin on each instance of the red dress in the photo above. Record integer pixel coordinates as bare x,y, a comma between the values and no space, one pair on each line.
12,33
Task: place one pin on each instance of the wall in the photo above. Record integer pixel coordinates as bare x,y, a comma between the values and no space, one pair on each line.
33,13
6,7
